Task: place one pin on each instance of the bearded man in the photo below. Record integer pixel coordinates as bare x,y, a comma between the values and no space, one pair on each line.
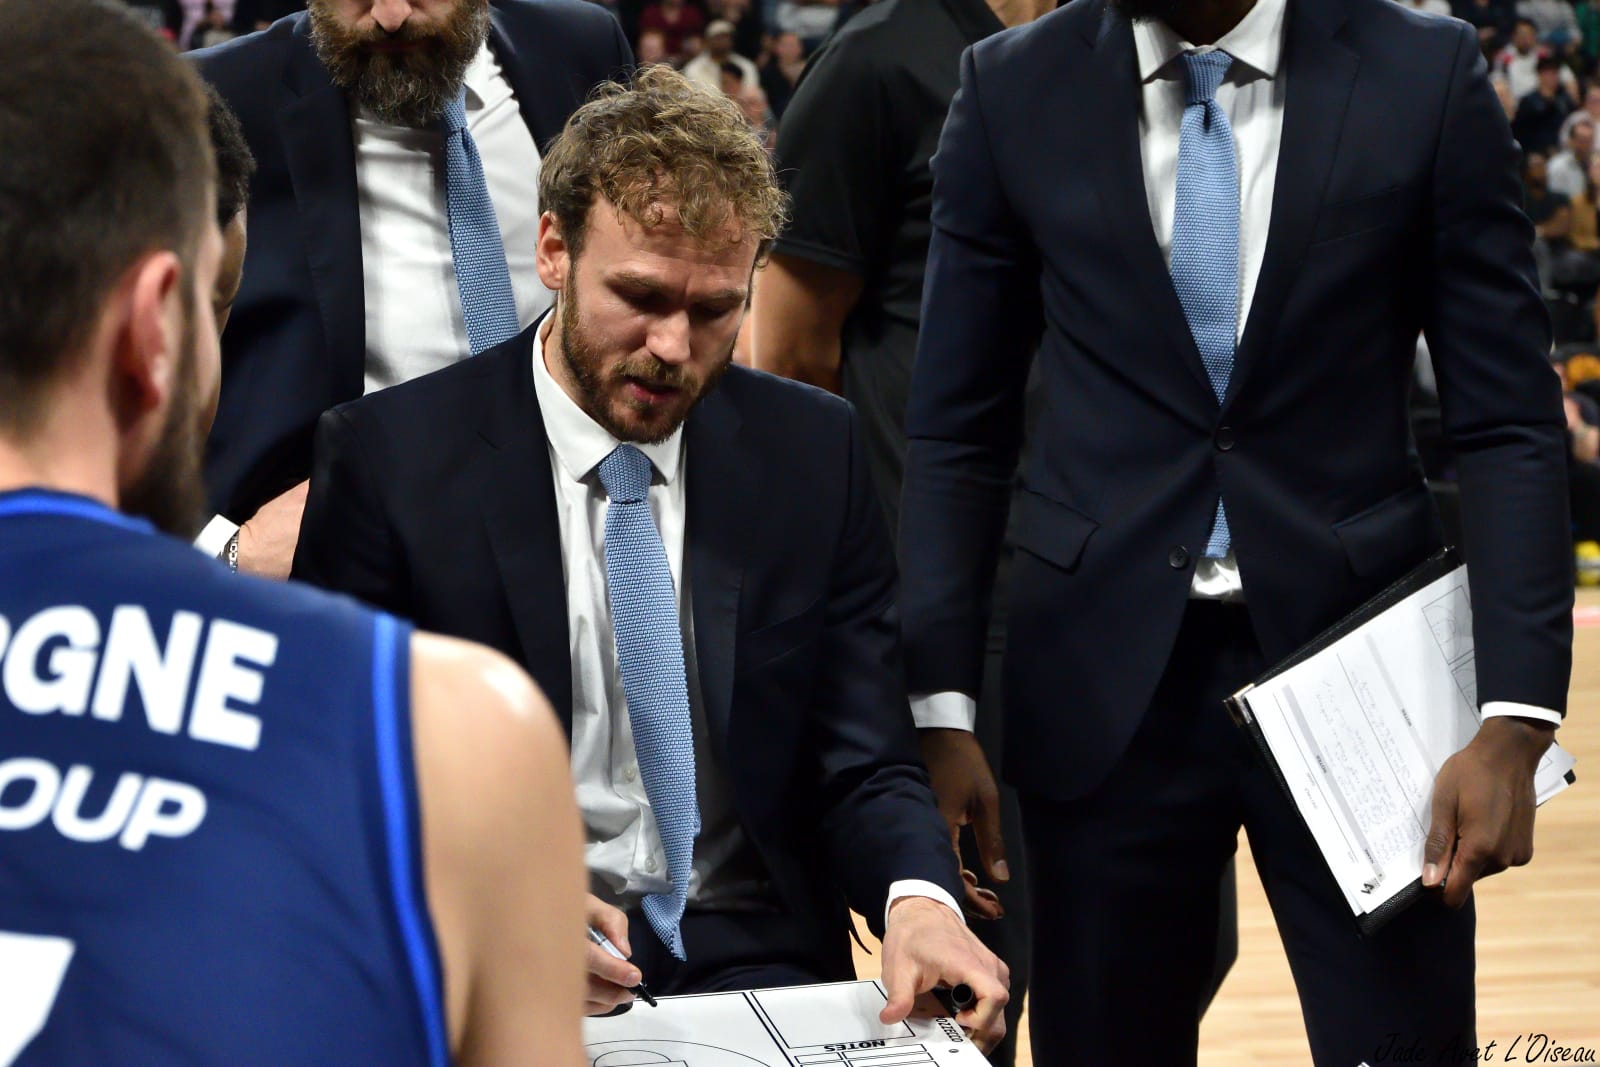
393,217
1219,248
690,559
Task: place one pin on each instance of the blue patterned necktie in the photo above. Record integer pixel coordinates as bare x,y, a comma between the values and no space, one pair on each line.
1205,235
644,615
487,302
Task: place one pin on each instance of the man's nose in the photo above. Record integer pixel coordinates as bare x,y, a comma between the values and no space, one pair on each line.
391,14
669,339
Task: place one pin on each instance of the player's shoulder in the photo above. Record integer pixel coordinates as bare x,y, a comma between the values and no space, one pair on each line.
764,399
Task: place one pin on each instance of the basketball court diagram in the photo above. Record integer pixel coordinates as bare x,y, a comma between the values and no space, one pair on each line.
807,1026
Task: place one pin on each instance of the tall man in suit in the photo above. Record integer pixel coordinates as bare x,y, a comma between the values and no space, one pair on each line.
727,657
1230,231
394,217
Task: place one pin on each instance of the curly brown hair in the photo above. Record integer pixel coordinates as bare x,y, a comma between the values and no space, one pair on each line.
658,146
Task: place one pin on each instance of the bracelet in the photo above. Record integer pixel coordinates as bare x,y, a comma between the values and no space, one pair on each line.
230,553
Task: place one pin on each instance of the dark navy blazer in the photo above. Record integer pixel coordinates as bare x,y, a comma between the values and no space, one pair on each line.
1397,209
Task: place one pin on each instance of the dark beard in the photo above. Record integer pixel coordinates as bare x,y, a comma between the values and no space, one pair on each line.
402,89
170,491
583,359
1148,10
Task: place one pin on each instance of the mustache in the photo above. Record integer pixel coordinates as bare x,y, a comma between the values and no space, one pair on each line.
651,371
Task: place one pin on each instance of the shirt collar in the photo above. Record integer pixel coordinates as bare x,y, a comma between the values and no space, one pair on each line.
1257,42
579,442
479,74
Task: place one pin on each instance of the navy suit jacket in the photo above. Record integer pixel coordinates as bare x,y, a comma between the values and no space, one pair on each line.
1397,209
435,500
296,343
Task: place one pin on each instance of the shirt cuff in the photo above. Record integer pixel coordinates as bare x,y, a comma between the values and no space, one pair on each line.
949,710
214,538
1495,708
915,887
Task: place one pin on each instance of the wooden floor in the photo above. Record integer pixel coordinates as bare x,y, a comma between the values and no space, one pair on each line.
1538,927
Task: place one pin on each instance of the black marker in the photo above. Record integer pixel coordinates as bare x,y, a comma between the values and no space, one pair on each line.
639,990
954,999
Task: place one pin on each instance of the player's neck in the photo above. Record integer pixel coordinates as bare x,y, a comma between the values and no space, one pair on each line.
60,461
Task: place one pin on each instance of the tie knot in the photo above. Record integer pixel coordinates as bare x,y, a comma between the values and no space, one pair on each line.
454,118
1205,71
625,473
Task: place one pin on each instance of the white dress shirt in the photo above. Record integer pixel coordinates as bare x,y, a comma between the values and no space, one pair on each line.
413,307
1252,94
414,321
624,853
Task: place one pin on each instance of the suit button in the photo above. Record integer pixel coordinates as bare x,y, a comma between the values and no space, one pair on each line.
1178,558
1224,439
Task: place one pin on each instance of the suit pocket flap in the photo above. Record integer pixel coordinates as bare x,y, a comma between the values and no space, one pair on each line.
1371,212
1389,536
1051,530
773,640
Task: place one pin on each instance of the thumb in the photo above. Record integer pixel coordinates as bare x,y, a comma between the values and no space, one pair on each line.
1441,841
900,985
991,840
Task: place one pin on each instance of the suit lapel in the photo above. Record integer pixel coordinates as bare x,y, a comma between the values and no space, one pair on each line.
1113,131
519,494
314,124
1321,72
544,97
722,490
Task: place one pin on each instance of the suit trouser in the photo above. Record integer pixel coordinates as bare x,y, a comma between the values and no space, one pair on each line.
1126,884
727,950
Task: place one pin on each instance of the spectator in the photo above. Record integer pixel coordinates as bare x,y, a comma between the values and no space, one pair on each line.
1583,466
749,29
1518,62
1541,112
252,15
782,72
1588,15
1428,7
1493,19
1502,93
165,17
652,48
813,20
1555,21
677,22
196,13
212,29
707,67
753,103
1569,168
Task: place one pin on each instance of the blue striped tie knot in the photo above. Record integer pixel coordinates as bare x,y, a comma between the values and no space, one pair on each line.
625,474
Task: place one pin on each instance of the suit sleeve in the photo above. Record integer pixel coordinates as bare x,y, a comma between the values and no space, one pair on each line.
346,544
980,327
879,820
1490,337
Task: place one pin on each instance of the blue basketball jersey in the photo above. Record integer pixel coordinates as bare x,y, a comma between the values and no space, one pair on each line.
209,837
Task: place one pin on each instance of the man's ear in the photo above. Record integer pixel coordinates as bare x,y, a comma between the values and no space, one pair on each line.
148,334
554,257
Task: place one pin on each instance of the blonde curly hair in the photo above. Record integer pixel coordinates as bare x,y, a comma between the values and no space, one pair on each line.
658,147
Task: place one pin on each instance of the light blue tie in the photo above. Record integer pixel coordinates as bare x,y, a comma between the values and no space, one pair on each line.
644,615
1205,235
487,302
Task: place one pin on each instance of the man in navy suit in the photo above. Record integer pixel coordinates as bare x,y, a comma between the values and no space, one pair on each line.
1229,228
747,614
361,235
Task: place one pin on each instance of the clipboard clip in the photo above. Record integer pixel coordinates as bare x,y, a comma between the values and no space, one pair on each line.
1239,708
